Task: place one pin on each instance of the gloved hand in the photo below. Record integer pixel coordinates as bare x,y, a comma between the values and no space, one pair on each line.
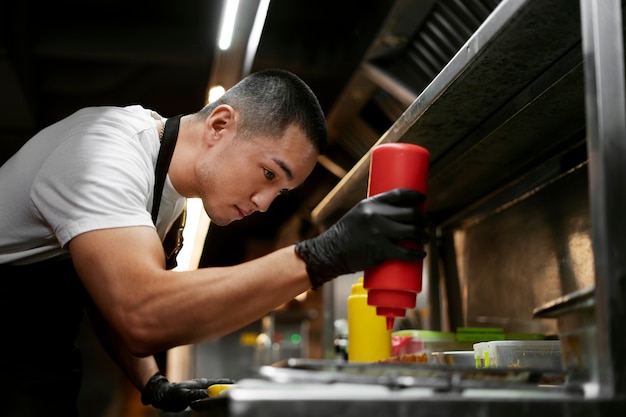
367,235
168,396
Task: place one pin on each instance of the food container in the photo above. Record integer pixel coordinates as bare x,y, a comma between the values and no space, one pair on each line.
463,358
540,354
408,342
479,354
479,334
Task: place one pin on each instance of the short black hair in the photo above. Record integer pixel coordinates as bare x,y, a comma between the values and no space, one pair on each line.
271,100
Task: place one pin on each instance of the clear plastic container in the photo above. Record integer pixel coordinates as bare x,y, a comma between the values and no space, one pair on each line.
541,354
479,354
408,342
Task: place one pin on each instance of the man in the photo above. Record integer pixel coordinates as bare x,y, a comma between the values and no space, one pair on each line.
83,189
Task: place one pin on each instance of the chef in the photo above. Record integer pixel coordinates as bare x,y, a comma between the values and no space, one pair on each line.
87,202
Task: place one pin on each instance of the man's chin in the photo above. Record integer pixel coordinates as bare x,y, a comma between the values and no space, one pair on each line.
223,222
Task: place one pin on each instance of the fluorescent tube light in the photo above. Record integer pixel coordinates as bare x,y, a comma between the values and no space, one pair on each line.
228,24
255,35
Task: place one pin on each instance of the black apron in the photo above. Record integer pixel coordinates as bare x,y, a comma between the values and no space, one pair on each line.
41,308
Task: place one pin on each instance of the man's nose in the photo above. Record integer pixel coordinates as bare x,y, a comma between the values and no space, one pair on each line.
263,200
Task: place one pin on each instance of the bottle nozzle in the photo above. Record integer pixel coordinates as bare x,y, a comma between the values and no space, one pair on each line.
390,321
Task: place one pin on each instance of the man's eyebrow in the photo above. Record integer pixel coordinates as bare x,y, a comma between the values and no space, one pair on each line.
284,167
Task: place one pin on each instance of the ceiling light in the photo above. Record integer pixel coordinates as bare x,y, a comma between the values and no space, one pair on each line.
215,93
255,35
228,24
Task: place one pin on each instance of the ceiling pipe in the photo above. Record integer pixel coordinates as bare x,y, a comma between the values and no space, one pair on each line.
389,83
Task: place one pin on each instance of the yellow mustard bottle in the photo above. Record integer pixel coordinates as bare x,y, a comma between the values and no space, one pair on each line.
368,337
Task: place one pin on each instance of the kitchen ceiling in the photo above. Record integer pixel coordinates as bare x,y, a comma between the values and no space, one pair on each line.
367,60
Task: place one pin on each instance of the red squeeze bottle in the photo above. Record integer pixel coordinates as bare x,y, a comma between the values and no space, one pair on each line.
393,285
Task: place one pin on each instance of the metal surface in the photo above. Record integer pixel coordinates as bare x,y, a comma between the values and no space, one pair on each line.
266,399
470,115
575,300
525,246
606,130
416,40
575,316
397,375
331,385
295,393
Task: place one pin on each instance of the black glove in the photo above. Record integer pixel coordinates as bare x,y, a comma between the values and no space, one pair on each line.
367,235
167,396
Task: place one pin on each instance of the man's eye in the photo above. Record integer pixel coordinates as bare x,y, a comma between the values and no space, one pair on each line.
284,191
269,175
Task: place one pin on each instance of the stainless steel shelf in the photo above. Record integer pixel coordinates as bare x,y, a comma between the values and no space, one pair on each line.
496,109
538,77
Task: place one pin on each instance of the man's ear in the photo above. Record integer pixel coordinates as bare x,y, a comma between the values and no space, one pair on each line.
222,117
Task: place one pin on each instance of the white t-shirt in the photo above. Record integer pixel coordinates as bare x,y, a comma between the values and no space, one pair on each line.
91,170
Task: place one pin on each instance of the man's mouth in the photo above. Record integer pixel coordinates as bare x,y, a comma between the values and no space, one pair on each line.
241,212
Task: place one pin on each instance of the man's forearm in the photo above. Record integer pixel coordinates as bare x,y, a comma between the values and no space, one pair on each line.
137,369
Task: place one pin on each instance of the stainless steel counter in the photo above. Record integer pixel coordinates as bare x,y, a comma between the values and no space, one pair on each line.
259,398
300,388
